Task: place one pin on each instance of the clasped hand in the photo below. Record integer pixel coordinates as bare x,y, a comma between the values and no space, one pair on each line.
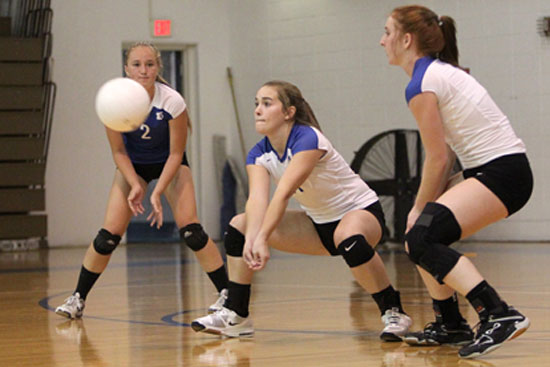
256,254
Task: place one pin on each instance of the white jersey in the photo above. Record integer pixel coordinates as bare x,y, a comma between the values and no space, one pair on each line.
331,190
475,128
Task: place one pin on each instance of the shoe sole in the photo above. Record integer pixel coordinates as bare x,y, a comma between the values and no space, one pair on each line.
67,314
198,327
390,337
431,343
64,314
420,343
523,326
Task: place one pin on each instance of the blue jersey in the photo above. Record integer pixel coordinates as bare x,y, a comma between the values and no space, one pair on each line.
150,143
331,190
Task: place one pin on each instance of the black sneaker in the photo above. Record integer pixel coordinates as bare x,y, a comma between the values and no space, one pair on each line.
494,331
437,333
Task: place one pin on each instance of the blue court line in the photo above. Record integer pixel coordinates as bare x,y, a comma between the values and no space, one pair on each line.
44,303
168,320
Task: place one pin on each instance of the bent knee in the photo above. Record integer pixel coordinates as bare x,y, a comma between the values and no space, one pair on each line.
194,236
416,243
105,242
341,235
239,222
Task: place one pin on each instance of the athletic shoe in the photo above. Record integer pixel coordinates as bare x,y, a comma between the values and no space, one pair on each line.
397,325
224,322
437,333
218,305
72,308
494,331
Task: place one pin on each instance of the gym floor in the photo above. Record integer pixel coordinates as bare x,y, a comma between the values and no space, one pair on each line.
307,310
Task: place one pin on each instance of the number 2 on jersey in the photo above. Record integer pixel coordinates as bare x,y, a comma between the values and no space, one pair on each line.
146,129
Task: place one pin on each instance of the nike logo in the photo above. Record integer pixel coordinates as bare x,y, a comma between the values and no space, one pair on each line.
479,174
187,234
231,323
485,340
347,248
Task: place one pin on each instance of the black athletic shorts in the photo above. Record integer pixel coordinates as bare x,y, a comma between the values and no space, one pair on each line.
509,177
150,172
326,230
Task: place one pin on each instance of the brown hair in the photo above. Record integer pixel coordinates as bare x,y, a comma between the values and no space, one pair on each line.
436,36
290,95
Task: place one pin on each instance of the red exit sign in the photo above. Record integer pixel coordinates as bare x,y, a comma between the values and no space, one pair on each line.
162,28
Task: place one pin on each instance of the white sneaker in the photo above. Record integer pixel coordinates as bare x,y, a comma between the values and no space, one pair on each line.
397,325
224,322
218,305
72,308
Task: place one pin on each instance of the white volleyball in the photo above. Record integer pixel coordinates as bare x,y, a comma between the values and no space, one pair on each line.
122,104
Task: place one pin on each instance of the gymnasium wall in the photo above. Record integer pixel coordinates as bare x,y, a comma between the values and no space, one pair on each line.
87,39
330,49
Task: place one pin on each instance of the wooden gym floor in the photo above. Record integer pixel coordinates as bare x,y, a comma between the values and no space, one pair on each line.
307,311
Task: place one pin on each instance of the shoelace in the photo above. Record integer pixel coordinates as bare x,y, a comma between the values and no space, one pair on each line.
393,319
431,328
483,326
72,300
221,299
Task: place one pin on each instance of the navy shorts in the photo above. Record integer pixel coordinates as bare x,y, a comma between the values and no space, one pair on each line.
150,172
509,177
326,230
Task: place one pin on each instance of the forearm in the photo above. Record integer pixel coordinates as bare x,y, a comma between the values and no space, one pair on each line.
125,166
435,174
168,172
273,215
255,212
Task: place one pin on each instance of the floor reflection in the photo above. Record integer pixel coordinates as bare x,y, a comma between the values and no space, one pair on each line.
224,352
74,331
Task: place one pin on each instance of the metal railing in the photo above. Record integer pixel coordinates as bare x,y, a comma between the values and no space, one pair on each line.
33,19
30,18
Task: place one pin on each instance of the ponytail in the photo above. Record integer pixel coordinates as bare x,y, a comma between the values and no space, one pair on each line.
449,53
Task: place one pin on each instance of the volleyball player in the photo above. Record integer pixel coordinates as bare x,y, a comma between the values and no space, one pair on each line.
155,151
341,215
456,118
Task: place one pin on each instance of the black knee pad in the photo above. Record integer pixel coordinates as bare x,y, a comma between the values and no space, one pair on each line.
194,236
105,242
355,250
234,242
429,238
